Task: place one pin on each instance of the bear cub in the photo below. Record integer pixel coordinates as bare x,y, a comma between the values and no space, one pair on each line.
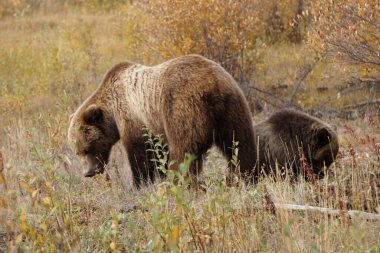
288,136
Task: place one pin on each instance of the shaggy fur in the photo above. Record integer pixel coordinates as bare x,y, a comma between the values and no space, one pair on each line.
280,136
193,101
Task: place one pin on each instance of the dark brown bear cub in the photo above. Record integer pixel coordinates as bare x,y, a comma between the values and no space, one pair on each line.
193,101
287,135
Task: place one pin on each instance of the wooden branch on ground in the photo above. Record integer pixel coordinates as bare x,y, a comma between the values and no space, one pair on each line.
272,207
363,103
332,212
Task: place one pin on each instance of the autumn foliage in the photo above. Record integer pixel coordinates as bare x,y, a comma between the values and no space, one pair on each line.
349,31
229,32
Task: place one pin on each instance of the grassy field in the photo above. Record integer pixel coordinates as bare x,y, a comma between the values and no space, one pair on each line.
49,63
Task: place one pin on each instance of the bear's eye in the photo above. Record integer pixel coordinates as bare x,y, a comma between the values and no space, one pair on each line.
86,151
86,131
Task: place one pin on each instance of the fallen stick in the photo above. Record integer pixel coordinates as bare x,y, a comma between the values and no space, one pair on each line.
1,162
334,212
362,103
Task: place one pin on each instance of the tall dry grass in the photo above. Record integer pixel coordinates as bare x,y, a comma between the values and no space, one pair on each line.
47,204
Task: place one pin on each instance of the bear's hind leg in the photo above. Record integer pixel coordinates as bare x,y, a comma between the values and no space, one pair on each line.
236,126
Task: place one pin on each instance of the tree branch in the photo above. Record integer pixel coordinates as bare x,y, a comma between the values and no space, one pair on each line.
332,212
302,74
266,93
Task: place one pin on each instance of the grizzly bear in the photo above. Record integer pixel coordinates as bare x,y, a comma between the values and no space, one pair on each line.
288,136
191,100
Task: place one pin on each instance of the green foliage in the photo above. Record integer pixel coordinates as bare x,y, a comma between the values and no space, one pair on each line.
170,203
159,150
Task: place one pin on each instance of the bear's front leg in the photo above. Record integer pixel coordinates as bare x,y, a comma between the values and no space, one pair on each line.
143,169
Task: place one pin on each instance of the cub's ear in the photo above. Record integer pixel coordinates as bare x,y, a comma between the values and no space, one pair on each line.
322,137
93,115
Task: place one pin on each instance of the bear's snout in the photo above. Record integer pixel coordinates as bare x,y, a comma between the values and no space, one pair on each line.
98,168
89,173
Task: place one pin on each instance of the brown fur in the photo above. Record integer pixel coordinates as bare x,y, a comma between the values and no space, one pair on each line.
280,136
193,101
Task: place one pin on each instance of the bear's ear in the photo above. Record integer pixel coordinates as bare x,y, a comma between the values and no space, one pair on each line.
71,117
93,115
322,137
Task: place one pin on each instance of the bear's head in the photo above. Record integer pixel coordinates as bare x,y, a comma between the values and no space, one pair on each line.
94,132
324,148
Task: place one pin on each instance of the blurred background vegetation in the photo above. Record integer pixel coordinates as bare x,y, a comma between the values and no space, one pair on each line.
315,55
319,56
